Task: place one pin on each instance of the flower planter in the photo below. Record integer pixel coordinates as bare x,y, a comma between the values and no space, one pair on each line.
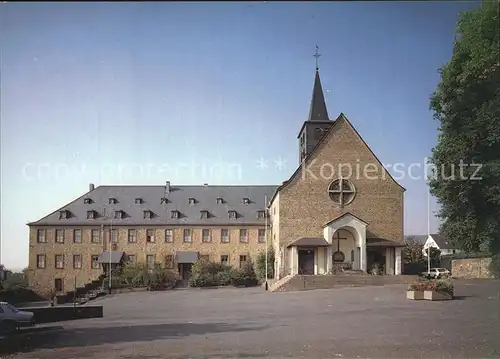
414,295
433,295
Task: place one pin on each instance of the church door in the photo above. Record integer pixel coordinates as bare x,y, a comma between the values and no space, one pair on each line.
306,261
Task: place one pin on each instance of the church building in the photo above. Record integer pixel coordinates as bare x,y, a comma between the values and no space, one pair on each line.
341,208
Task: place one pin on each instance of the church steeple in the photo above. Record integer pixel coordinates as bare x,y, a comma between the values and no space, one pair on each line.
318,122
317,111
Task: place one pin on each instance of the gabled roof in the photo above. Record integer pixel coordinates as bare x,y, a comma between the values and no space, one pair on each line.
324,139
343,215
442,242
178,200
309,242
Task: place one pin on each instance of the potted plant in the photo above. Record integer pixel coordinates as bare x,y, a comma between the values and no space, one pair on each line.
416,290
441,289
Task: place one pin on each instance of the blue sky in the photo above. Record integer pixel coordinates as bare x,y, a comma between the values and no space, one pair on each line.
137,93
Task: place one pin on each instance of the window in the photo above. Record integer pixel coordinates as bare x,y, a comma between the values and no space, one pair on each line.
319,132
113,235
341,191
90,214
131,258
262,235
138,201
169,261
246,200
206,236
112,201
95,236
232,214
224,235
148,214
150,236
87,201
77,236
243,261
224,259
261,214
164,200
191,201
187,235
40,236
64,214
119,214
77,261
59,235
169,235
244,235
94,261
220,200
58,284
204,214
150,260
59,261
40,261
205,258
131,236
174,214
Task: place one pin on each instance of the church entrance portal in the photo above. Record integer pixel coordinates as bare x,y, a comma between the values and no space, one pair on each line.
306,261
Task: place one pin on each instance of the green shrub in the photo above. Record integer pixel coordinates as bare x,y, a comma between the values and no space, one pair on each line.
444,286
21,294
260,265
245,276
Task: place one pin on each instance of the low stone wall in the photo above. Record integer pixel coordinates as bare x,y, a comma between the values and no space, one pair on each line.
64,313
471,268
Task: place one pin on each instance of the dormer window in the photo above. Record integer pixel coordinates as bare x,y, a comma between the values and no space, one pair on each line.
119,214
64,214
138,201
220,200
164,200
148,214
174,214
91,214
112,201
87,200
261,214
204,214
192,200
246,200
232,214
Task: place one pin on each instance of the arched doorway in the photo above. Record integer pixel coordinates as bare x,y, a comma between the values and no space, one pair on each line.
343,249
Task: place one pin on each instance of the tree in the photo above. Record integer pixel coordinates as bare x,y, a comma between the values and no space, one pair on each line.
467,106
412,251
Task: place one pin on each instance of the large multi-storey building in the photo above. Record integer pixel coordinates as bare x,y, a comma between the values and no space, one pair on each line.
339,208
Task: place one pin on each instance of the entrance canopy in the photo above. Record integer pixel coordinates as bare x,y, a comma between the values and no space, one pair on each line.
113,257
309,242
186,257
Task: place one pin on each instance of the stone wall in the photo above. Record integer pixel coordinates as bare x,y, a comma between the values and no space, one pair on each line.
471,268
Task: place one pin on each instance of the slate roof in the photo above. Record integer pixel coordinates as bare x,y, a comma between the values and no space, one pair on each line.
310,242
317,110
442,242
178,200
110,256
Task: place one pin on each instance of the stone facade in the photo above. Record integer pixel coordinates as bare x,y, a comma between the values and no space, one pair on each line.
304,203
42,279
471,268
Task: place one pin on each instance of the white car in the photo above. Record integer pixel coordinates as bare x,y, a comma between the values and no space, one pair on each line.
12,318
436,273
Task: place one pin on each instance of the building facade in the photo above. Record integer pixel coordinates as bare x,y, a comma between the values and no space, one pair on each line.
339,209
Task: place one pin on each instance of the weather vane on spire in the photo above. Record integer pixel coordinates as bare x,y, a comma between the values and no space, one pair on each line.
317,55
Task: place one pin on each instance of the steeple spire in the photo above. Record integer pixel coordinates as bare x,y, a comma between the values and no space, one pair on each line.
317,111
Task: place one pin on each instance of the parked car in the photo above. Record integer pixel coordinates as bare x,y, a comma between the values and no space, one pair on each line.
11,318
436,273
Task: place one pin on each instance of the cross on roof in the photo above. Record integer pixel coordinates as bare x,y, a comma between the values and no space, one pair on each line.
317,55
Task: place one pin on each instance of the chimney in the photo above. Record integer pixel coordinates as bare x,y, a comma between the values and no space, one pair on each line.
91,187
167,187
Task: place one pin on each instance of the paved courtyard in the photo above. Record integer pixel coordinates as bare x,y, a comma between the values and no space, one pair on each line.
369,322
